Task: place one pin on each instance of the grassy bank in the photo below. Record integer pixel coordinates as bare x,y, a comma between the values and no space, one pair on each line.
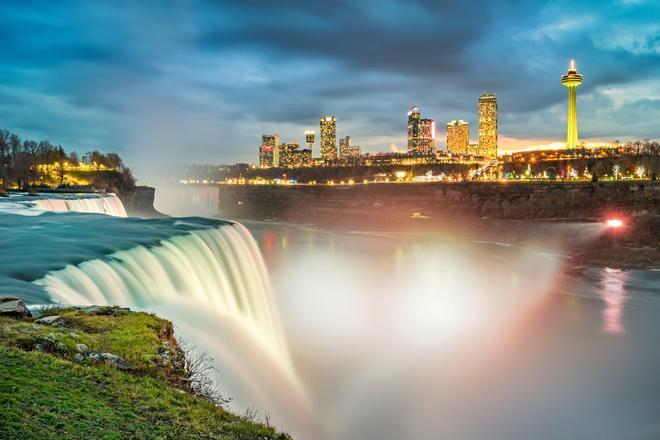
53,385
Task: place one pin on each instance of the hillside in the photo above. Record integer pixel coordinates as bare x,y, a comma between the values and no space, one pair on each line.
107,372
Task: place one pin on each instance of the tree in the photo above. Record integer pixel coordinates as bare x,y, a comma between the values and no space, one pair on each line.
74,160
61,165
4,157
113,161
97,159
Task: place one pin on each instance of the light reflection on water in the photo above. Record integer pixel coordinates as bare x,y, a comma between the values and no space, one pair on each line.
613,293
446,332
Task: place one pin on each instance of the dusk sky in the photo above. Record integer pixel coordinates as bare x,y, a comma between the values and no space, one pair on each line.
186,81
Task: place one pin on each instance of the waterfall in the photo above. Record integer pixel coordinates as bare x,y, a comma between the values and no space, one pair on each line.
220,269
108,204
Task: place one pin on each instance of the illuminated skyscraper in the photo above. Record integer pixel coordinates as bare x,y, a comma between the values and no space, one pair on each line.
421,133
344,146
306,157
269,150
426,136
328,138
310,137
488,125
289,153
571,80
413,129
458,137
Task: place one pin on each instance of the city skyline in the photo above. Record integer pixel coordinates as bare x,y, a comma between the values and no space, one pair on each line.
187,71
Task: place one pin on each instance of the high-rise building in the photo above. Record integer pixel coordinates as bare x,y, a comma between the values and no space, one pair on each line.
488,125
328,138
265,156
344,146
571,80
305,157
269,150
288,154
413,128
348,152
310,137
421,133
458,137
426,136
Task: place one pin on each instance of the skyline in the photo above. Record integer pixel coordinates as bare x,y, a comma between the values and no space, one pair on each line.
140,79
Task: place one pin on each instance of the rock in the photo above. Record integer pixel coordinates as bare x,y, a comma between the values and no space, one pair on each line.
49,345
54,320
74,335
93,357
79,358
115,361
13,306
82,348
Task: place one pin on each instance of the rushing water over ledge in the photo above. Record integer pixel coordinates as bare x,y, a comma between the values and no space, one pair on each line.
219,268
89,203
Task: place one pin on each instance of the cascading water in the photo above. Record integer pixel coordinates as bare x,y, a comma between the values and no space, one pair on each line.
219,268
108,204
213,284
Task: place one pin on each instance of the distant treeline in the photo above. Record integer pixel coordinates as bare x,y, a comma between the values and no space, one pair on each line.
322,174
28,163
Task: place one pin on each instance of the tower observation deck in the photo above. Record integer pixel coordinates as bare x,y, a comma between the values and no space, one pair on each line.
571,80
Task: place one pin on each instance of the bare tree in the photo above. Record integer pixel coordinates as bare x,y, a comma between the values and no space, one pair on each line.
4,157
198,369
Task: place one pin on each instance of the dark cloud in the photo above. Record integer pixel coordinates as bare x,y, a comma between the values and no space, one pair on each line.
201,80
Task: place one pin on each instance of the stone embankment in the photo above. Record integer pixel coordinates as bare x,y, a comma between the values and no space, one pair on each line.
543,213
140,203
400,201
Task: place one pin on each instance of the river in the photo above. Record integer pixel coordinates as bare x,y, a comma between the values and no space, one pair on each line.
426,336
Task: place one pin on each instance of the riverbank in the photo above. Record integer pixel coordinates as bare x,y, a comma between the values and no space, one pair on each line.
107,372
567,218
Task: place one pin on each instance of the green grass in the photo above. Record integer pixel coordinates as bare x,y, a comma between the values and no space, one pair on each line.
133,336
48,395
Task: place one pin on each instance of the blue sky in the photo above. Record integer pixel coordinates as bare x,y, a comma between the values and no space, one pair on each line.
200,81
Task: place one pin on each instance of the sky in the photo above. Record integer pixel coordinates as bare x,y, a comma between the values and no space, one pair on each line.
172,82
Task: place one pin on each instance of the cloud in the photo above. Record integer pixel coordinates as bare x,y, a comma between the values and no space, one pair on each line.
202,80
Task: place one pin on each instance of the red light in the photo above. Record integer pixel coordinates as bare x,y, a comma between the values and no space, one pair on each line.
614,223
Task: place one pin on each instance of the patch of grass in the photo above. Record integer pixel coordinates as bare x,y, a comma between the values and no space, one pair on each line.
133,336
45,397
49,395
51,309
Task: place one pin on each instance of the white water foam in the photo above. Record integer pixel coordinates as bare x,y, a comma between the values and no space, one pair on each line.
108,204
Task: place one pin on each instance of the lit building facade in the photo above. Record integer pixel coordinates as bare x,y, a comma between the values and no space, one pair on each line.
344,146
488,125
269,150
354,152
305,158
288,154
421,133
458,137
348,152
328,138
310,137
571,80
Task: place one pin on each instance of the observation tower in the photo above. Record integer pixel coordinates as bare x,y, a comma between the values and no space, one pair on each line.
571,80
